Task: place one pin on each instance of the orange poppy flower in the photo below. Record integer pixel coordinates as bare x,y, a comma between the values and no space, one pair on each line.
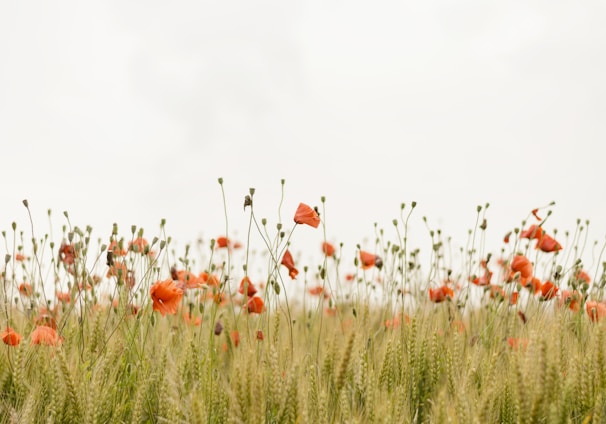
316,291
367,259
513,298
571,299
210,280
20,257
549,290
289,263
187,279
595,310
63,296
255,305
26,289
582,276
532,283
166,297
116,248
535,212
440,294
138,245
521,264
306,215
497,292
67,253
189,319
517,343
246,286
328,249
548,244
43,335
533,232
483,280
11,337
222,242
235,338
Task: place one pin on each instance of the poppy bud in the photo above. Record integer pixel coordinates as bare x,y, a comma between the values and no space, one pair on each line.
218,328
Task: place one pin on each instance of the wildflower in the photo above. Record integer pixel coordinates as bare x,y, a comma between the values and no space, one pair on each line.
45,335
549,290
210,280
306,215
533,284
235,337
506,237
533,232
497,292
259,335
440,294
166,297
63,297
289,263
316,291
369,260
548,244
116,248
189,319
513,298
67,253
255,305
20,257
535,212
571,299
26,289
516,343
10,337
246,286
582,276
186,279
328,249
138,245
483,280
521,264
595,310
222,242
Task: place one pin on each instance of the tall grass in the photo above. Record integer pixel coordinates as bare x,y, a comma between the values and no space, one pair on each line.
334,344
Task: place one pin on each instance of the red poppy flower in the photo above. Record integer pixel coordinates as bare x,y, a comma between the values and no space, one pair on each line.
138,245
20,257
222,242
595,310
26,289
440,294
10,337
328,249
483,280
116,248
533,232
187,279
316,291
521,264
235,338
549,290
506,238
513,298
255,305
166,297
548,244
67,253
517,343
259,335
43,335
535,212
582,276
306,215
367,259
246,286
63,296
572,299
289,263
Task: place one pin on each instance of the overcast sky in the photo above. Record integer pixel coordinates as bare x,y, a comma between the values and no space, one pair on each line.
128,112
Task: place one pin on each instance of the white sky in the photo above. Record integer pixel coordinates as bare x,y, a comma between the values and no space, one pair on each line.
128,112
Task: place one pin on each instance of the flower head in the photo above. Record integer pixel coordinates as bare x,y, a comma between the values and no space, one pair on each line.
10,337
306,215
166,297
289,263
43,335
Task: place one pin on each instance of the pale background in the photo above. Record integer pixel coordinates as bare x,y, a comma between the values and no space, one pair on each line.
128,112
